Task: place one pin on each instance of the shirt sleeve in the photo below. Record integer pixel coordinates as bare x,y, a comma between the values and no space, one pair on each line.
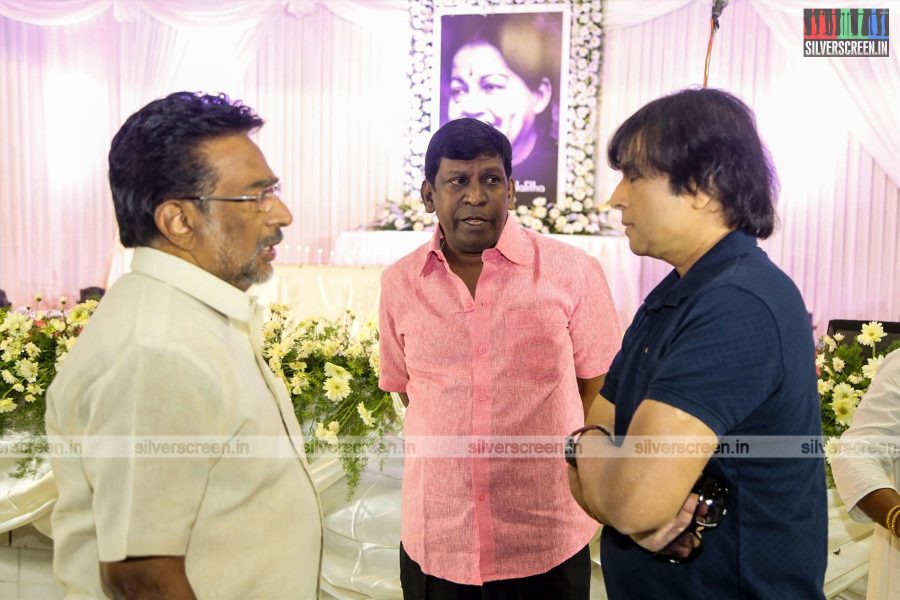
393,376
147,505
724,360
594,324
877,420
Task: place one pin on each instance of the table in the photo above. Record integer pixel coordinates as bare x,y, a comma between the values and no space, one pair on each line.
621,266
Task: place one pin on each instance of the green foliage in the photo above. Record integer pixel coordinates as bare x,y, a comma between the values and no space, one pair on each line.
331,370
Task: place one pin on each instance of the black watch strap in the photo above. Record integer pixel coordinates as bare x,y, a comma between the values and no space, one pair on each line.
571,443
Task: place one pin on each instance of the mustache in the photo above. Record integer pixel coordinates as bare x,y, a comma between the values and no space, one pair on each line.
272,240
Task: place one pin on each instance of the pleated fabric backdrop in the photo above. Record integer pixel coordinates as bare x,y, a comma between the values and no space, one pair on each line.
839,211
329,78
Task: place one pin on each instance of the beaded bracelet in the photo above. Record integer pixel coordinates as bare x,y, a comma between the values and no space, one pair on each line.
890,521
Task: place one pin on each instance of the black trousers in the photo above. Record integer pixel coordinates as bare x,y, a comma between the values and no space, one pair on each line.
570,580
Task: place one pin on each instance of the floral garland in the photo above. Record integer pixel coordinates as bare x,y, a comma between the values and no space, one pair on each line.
578,212
846,369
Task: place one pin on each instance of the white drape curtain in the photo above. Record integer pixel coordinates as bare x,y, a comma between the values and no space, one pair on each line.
329,78
831,125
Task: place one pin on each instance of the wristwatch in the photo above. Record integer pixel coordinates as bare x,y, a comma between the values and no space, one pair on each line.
572,441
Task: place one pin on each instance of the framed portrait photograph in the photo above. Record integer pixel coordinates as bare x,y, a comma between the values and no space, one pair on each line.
509,68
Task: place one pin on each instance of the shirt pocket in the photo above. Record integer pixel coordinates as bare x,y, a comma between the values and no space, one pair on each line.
531,344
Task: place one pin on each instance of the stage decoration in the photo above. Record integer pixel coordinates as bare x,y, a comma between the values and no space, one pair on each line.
331,370
846,368
580,145
33,343
329,367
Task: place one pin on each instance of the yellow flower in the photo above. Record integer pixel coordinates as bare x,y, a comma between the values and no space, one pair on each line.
843,405
6,405
375,359
298,383
838,364
328,434
337,372
831,448
34,388
16,324
27,369
839,337
854,379
872,333
364,414
336,389
8,377
30,398
32,350
871,368
18,388
825,386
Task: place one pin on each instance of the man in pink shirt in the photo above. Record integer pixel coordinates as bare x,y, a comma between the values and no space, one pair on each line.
495,337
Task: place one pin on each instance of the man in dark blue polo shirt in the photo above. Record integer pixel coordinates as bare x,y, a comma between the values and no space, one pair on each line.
721,348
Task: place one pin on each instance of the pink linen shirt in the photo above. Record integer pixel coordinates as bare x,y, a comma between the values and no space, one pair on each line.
498,366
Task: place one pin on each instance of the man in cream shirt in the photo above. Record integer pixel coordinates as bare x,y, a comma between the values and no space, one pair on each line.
172,354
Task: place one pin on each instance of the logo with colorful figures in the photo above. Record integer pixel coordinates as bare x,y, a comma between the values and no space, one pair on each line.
845,32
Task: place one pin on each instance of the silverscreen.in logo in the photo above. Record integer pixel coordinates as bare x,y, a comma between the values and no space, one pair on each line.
846,32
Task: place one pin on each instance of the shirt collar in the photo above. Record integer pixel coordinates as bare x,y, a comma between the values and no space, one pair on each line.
512,245
673,289
195,282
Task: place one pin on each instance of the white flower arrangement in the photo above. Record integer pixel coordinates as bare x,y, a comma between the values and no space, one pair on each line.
846,369
585,53
331,370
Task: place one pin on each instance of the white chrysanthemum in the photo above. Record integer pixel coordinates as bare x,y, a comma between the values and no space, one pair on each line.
298,383
839,337
364,414
820,360
824,386
838,364
7,405
8,377
844,408
872,333
27,369
328,434
16,324
336,389
870,369
854,379
831,447
554,213
375,359
843,391
337,372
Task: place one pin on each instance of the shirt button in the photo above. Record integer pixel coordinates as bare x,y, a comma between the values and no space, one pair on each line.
482,350
646,349
481,498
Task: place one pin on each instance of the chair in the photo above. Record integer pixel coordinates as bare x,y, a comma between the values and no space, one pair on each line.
90,293
4,301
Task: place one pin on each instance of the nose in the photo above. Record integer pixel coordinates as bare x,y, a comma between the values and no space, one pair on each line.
280,216
618,198
472,106
476,194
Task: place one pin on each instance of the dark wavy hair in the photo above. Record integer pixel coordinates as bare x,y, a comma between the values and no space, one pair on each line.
466,139
706,141
156,155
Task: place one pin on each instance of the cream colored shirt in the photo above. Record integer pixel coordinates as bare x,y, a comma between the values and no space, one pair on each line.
172,351
877,419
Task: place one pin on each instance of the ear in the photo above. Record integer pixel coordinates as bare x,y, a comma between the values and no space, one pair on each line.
542,96
704,202
427,191
511,194
176,222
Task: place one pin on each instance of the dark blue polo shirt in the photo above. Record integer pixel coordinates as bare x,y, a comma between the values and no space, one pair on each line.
730,343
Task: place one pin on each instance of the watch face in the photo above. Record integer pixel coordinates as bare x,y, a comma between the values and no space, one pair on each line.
570,451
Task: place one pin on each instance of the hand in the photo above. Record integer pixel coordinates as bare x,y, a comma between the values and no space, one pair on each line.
672,536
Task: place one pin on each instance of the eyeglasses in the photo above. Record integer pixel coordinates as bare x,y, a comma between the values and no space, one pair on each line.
265,199
711,509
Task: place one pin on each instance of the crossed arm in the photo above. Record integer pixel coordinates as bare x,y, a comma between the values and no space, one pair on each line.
648,498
